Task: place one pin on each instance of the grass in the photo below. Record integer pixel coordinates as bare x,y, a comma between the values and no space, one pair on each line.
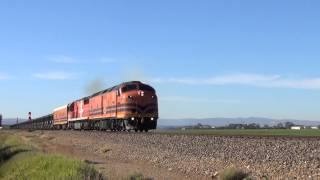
19,160
245,132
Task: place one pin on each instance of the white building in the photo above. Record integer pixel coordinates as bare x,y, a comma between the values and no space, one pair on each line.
296,127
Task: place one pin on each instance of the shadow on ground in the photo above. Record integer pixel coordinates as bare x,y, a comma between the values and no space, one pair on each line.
7,152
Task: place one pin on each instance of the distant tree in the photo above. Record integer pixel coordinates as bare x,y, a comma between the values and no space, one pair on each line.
198,126
253,126
258,126
279,126
236,126
307,127
266,126
288,125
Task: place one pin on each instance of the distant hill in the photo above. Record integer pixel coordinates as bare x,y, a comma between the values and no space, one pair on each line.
10,121
226,121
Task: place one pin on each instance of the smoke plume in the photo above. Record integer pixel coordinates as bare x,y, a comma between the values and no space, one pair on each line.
94,86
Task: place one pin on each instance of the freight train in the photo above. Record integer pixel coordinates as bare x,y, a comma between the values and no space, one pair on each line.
129,106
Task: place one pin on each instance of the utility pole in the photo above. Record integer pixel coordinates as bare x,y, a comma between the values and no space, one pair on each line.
0,120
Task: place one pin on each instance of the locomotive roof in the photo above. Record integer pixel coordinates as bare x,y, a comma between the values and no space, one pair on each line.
108,90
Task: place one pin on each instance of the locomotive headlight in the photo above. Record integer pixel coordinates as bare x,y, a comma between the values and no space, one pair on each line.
152,119
132,118
142,93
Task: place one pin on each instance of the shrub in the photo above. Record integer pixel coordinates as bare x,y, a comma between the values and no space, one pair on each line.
88,172
232,173
135,176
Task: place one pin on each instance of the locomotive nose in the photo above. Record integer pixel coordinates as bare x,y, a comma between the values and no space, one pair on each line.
139,105
145,104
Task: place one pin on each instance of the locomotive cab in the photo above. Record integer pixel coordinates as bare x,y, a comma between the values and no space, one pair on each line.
140,104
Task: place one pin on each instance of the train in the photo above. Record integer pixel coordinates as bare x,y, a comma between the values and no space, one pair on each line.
128,106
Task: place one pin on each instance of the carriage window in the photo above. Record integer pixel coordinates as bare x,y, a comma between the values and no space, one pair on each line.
144,87
129,88
86,101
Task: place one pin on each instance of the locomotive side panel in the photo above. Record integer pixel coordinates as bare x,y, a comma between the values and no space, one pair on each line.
85,108
77,109
109,104
71,111
127,107
74,109
96,109
82,110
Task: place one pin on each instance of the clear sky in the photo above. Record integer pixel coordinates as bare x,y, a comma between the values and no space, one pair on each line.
235,58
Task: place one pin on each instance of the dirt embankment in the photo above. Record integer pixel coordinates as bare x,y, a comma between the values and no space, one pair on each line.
185,157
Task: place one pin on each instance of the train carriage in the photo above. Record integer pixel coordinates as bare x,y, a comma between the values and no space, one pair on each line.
60,117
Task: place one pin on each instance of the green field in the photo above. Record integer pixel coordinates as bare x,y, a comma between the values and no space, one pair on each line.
245,132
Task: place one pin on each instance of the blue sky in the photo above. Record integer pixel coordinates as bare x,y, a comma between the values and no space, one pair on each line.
205,58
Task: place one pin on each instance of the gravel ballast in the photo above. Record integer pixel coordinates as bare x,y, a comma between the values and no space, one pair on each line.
206,156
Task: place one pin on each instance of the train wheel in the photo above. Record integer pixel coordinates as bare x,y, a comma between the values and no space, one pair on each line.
146,130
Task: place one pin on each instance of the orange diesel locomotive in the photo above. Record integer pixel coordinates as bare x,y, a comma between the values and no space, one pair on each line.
128,106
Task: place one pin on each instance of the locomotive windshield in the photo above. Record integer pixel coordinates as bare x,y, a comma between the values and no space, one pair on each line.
129,87
144,87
